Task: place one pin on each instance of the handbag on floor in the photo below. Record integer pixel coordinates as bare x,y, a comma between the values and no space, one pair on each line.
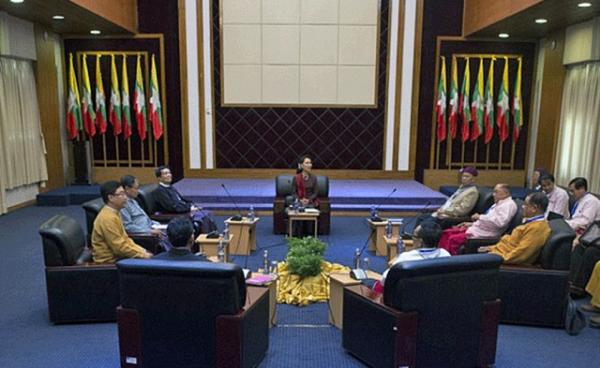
574,319
591,236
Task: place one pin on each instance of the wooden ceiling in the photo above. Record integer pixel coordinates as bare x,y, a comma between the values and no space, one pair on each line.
559,13
78,20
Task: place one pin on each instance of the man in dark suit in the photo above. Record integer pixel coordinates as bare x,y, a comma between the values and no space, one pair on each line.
170,200
180,233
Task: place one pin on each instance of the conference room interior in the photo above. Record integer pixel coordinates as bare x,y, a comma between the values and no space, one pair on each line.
323,142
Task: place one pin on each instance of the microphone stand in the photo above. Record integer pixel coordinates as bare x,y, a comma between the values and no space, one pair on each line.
377,218
239,216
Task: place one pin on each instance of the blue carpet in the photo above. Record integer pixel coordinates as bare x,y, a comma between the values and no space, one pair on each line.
27,339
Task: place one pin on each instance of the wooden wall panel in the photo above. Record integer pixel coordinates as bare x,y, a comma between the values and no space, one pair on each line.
553,80
47,85
121,12
435,178
479,14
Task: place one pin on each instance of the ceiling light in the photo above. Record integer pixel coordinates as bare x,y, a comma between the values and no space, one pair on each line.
503,35
58,17
584,5
16,1
541,21
95,32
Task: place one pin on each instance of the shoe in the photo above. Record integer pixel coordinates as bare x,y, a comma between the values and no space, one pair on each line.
589,308
595,322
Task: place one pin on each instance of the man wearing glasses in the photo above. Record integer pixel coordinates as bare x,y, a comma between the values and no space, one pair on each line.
109,239
523,245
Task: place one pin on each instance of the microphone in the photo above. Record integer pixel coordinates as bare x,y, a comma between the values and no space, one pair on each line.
377,218
358,273
239,216
406,235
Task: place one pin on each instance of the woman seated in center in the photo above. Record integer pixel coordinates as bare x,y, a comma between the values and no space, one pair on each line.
304,189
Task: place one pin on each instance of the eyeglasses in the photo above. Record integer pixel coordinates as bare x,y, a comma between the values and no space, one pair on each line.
120,194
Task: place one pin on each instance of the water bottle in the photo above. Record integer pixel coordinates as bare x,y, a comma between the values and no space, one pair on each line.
274,267
221,251
399,246
296,204
266,262
226,232
251,213
373,212
357,259
388,229
366,263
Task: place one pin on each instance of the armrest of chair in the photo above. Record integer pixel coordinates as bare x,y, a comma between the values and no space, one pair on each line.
533,295
377,334
149,241
81,293
473,244
279,215
243,339
165,217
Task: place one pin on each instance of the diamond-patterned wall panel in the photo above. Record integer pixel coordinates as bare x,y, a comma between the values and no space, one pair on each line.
337,138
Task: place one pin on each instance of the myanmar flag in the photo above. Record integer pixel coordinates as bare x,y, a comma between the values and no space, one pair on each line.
488,118
74,123
441,103
155,106
114,109
89,117
477,104
517,112
502,117
100,99
453,99
125,101
464,103
139,101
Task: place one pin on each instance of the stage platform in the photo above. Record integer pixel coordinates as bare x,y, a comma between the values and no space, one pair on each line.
345,195
69,195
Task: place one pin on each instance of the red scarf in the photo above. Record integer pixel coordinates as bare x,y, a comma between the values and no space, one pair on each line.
300,190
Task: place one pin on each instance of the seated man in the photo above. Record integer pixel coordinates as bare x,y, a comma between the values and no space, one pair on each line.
491,224
180,233
169,200
558,198
587,208
459,205
593,288
109,239
426,239
135,219
523,246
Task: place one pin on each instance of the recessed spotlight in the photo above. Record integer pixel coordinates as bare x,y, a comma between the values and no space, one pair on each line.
58,17
95,32
584,5
503,35
16,1
541,21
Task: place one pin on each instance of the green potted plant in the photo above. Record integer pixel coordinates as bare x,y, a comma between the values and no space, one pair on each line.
305,256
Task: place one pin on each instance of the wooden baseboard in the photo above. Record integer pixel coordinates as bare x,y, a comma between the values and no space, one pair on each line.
21,205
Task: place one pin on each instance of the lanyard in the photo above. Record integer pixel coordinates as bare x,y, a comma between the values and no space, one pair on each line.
534,218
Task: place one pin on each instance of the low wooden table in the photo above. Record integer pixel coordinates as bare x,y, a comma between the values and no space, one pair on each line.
337,282
390,244
302,216
209,247
272,286
376,239
245,231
